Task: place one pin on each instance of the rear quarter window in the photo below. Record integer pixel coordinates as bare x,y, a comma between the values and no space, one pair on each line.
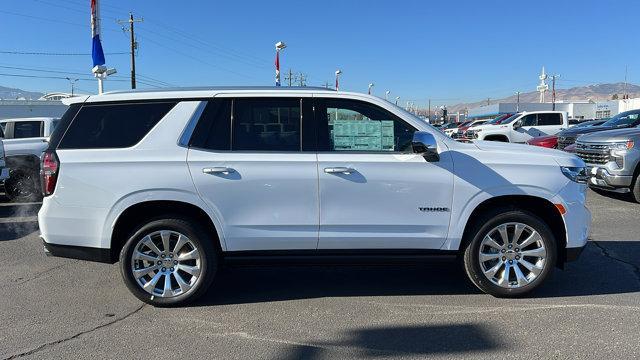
99,126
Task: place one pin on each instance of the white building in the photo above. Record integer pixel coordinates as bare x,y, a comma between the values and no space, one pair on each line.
610,108
575,109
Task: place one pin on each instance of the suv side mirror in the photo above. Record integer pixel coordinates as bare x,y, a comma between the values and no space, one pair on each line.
424,143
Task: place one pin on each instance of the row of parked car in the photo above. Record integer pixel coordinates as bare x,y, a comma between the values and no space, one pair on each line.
607,146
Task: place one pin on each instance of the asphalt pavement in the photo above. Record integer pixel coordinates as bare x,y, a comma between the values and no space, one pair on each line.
53,308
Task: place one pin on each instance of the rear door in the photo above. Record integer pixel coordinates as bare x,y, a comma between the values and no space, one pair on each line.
549,123
375,193
250,163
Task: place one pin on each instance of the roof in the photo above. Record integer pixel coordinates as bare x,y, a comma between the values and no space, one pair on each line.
220,88
199,92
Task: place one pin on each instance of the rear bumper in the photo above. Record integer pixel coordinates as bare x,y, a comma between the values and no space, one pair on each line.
78,252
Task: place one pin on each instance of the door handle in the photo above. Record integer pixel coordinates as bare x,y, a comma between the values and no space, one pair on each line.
339,170
218,170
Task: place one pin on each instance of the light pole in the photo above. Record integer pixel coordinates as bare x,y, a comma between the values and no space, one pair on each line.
279,46
369,90
73,83
386,95
518,101
338,73
397,99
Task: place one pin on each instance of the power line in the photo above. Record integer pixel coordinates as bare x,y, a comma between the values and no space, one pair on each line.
43,53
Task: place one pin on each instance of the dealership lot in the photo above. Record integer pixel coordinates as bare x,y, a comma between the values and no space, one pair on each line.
60,308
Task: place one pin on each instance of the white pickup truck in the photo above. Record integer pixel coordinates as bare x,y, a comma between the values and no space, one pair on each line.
25,140
522,126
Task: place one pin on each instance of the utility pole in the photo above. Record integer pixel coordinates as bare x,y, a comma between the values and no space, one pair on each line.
429,111
518,103
73,83
626,71
553,91
289,77
488,101
302,78
134,45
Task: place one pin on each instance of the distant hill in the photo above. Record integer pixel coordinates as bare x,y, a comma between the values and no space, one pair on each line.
597,92
13,94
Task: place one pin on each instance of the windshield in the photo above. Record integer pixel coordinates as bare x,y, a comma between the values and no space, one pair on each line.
510,119
626,118
497,120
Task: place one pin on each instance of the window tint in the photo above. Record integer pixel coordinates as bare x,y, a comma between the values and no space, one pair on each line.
549,119
266,124
529,120
3,126
214,127
62,126
113,125
26,129
352,125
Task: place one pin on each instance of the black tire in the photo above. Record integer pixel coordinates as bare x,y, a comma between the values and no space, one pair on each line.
202,241
483,226
635,188
23,185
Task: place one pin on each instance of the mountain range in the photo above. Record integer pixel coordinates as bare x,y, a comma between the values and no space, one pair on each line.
596,92
7,93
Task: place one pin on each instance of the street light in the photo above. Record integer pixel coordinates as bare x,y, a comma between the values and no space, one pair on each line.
279,46
73,83
397,99
338,73
369,90
386,95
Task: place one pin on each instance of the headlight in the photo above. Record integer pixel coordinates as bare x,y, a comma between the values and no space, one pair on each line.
622,145
577,174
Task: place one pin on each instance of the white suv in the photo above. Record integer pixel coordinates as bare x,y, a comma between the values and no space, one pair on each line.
173,183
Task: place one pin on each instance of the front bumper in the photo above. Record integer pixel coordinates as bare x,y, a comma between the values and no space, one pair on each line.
602,178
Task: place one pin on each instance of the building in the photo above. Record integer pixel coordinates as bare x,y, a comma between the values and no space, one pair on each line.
31,108
610,108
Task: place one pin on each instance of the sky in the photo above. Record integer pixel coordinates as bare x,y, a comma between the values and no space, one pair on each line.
448,51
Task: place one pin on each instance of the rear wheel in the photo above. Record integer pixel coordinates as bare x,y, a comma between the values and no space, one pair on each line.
511,253
168,261
22,186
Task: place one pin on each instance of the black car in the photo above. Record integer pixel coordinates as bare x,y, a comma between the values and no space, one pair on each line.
623,120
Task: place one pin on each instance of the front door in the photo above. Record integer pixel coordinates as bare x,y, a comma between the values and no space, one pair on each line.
247,162
374,192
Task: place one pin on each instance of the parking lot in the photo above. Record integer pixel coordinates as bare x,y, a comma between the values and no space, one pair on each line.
60,308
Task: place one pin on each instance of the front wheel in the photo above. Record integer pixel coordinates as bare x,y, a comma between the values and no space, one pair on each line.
510,254
168,261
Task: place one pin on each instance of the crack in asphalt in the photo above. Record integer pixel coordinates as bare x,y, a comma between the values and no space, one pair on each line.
20,281
57,342
605,252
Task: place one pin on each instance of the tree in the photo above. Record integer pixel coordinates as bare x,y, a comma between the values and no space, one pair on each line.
614,97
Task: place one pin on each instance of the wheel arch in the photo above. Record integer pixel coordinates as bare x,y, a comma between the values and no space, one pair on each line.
497,137
539,206
136,212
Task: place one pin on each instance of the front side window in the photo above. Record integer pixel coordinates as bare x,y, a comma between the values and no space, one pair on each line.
529,120
98,126
549,119
26,129
352,125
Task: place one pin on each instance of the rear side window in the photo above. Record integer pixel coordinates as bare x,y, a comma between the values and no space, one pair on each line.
549,119
213,131
26,129
266,124
113,125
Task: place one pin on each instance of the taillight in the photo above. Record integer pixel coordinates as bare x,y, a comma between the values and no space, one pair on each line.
49,172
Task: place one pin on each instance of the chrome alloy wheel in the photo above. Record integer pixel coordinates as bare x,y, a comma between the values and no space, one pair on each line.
166,263
512,255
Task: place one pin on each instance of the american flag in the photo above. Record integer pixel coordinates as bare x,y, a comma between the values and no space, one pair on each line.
277,68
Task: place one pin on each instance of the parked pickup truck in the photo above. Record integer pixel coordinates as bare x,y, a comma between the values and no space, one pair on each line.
613,160
624,120
24,141
522,126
